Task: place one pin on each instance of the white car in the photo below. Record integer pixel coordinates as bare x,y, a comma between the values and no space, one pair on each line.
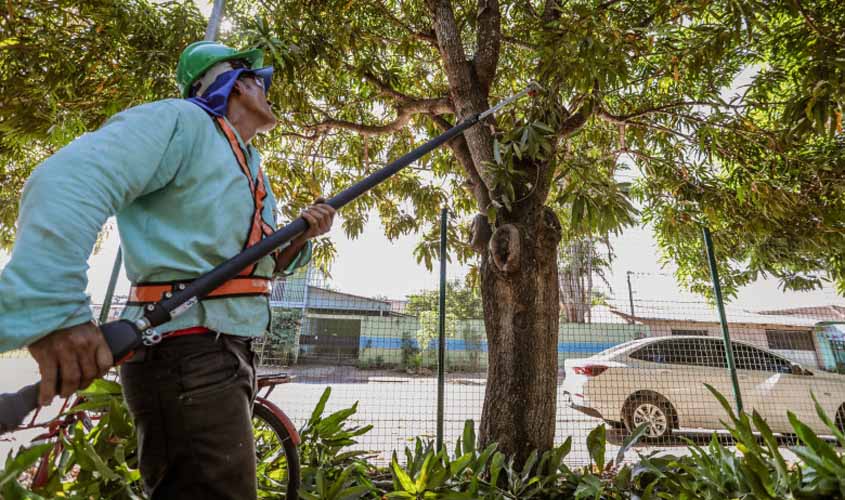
659,381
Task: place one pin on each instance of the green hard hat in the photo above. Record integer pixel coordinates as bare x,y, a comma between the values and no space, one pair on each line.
199,57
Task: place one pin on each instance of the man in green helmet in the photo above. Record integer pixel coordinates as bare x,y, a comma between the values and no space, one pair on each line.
188,192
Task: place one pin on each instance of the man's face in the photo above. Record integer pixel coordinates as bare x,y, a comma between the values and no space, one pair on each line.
251,95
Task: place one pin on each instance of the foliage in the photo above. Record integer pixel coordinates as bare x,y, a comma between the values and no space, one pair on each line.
328,471
96,462
462,300
429,328
756,469
282,336
67,65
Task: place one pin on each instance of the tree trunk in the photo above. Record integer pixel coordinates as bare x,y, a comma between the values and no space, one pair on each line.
521,308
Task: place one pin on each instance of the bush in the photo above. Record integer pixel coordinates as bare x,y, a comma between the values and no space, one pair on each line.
755,470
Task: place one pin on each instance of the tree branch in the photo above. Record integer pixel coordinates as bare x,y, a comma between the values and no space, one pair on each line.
612,119
426,36
459,148
404,113
488,41
518,43
576,120
452,51
467,94
661,108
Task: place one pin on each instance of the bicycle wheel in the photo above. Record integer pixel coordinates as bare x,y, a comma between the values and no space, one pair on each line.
277,461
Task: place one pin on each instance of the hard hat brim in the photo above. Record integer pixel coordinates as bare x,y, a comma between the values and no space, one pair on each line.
253,57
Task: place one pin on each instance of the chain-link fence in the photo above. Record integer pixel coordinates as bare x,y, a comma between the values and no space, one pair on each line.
624,358
622,361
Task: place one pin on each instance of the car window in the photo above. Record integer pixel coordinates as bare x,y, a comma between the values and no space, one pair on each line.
689,352
650,352
751,358
713,353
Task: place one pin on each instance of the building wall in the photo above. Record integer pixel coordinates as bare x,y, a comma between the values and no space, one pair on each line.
382,340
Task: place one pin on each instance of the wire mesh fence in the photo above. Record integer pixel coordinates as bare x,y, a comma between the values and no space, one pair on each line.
624,360
622,363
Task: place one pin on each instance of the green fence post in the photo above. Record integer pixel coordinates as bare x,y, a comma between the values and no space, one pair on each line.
104,312
441,345
717,292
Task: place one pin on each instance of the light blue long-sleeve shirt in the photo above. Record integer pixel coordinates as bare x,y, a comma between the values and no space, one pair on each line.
183,206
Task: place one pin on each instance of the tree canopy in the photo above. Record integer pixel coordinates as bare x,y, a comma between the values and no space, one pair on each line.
461,300
636,112
643,83
634,90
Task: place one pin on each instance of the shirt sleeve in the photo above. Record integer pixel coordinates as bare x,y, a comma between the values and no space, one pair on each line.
64,205
300,260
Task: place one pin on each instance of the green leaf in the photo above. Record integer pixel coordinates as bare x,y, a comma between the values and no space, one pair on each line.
21,461
469,437
630,441
404,479
597,445
321,406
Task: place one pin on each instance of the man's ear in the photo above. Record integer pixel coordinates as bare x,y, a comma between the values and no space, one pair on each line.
238,87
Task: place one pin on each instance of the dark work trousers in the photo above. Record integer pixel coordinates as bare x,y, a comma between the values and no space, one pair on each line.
191,398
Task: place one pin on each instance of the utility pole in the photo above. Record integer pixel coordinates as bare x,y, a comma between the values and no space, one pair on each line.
214,20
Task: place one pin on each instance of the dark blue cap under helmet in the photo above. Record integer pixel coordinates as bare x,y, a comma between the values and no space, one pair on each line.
216,98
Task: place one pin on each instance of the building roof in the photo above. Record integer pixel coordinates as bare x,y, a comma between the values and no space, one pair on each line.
702,313
830,312
293,293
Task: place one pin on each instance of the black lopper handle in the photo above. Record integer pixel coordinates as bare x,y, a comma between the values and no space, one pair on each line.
122,337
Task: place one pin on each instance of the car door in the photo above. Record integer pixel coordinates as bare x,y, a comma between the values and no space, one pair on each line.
705,365
768,386
681,368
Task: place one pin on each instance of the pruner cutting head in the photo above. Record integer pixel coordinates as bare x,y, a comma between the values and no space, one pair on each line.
532,89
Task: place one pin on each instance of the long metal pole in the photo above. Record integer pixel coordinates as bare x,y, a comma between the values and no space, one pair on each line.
441,345
720,305
214,20
115,271
630,296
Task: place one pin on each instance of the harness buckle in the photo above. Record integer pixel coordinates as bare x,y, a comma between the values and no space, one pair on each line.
150,337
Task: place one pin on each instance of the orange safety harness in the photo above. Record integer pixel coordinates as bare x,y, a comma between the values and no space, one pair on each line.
245,284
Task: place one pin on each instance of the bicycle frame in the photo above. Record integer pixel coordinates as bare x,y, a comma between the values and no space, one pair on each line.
283,418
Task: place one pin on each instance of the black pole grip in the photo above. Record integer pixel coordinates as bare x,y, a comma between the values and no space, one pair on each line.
15,406
122,338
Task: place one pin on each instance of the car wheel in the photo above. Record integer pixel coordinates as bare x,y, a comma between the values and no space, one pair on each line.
651,410
840,418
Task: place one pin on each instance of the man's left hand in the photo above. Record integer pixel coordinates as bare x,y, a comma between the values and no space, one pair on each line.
320,217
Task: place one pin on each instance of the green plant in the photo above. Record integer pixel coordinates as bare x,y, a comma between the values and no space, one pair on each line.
283,333
329,471
100,462
756,470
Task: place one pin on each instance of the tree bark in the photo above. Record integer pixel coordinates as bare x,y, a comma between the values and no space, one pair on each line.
521,320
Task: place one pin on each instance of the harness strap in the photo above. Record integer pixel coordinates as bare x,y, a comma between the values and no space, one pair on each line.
258,228
145,293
